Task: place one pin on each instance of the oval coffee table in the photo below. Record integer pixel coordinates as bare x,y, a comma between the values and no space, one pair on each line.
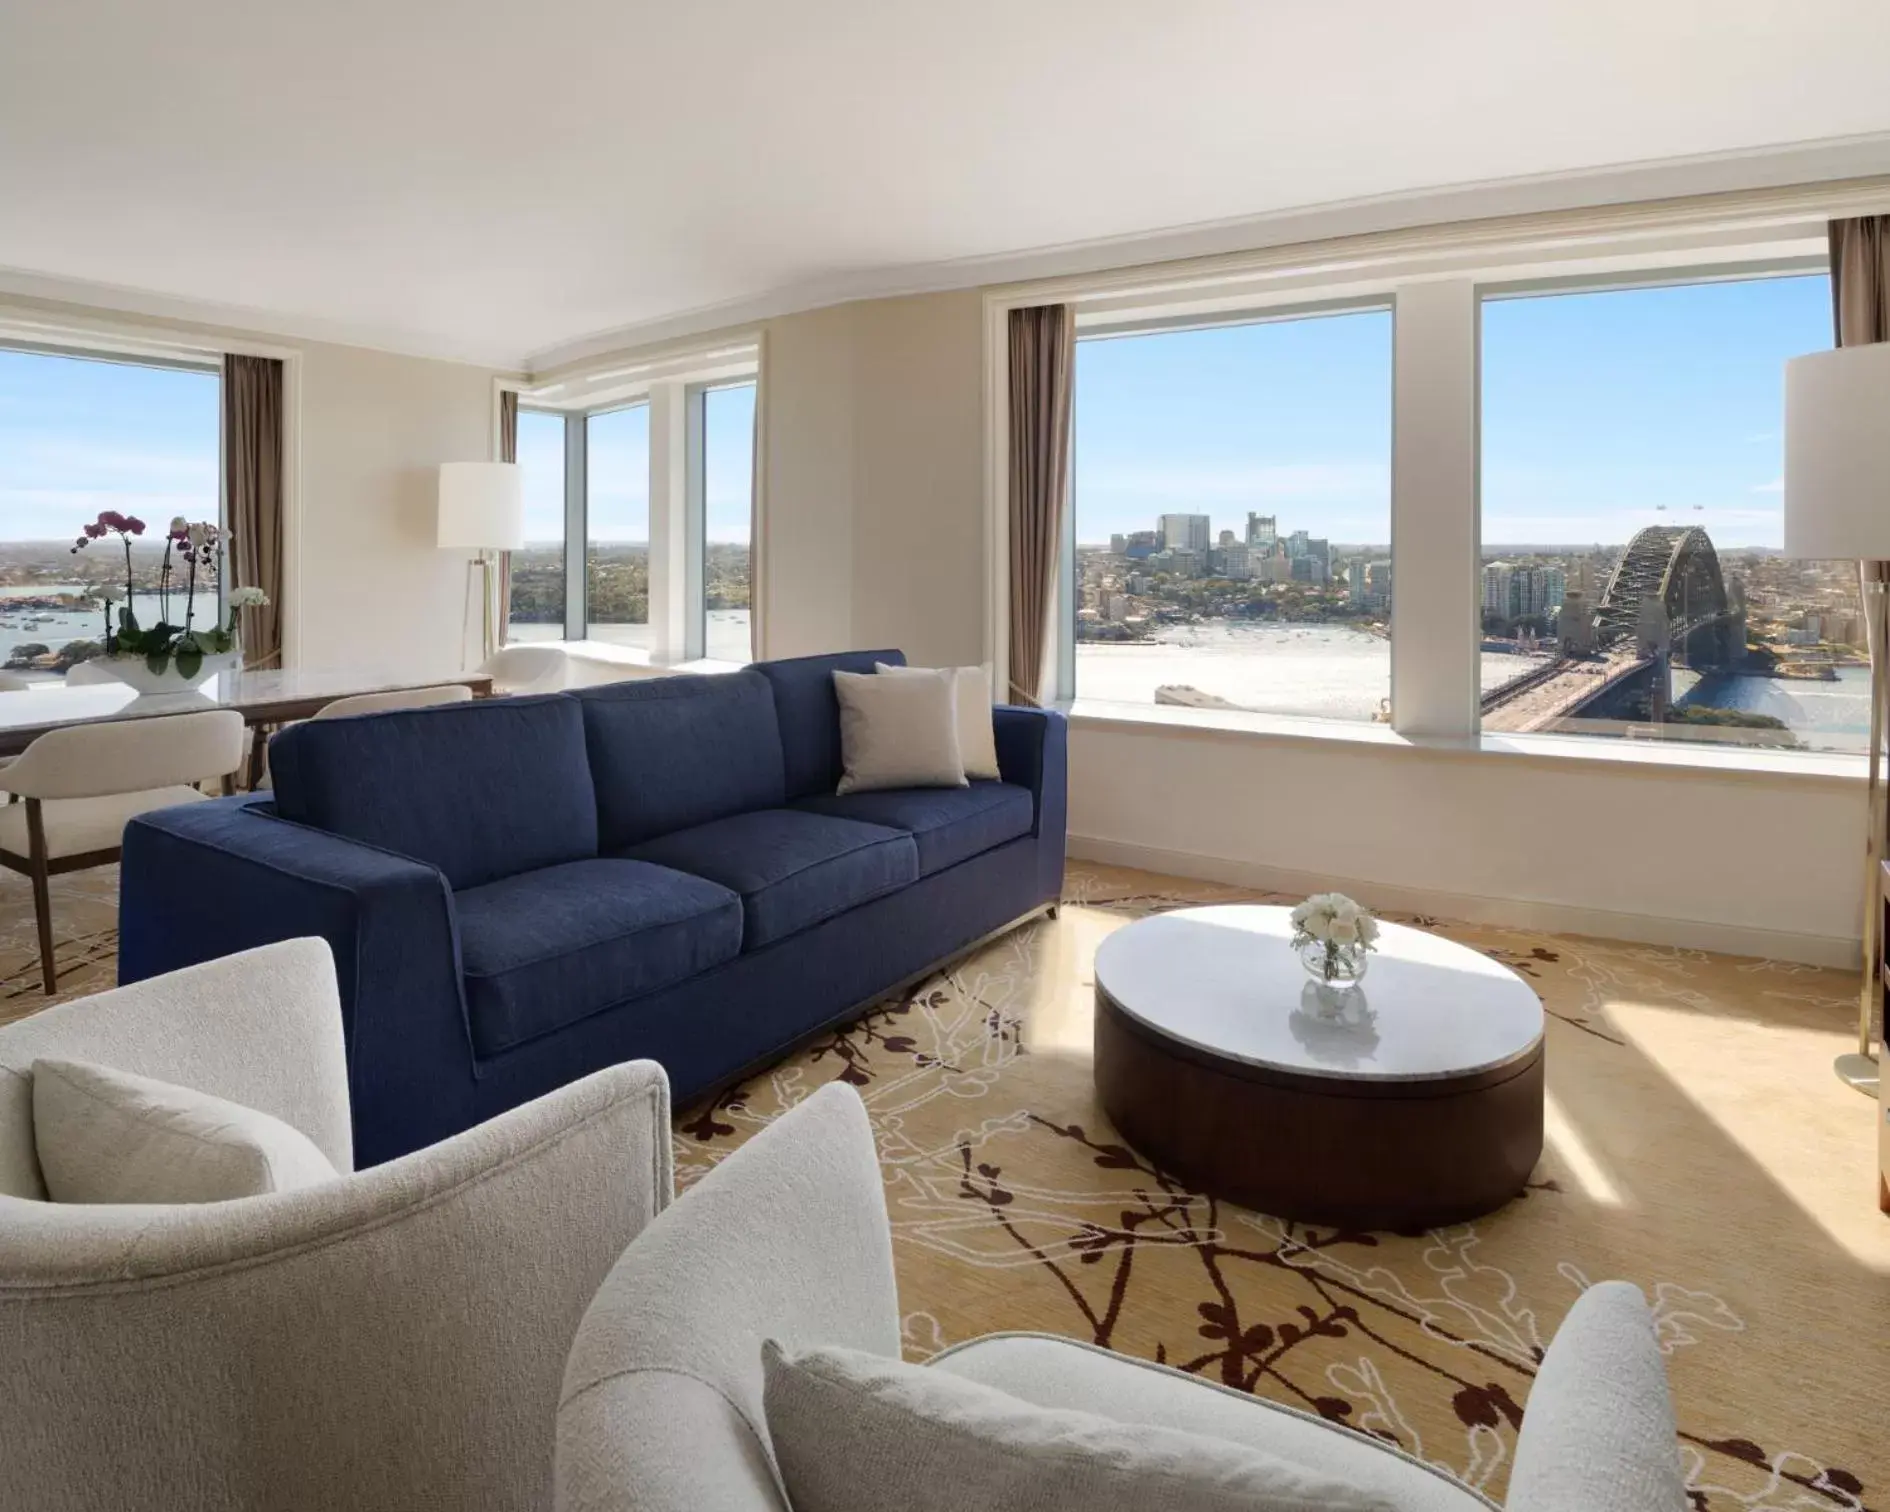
1416,1102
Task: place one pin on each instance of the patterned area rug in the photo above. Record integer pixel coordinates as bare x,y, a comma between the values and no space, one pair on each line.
1698,1145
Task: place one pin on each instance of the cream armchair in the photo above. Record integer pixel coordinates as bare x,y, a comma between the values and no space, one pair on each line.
787,1239
393,1339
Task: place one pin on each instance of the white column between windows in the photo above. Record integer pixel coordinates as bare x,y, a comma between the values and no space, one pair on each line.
669,532
1434,610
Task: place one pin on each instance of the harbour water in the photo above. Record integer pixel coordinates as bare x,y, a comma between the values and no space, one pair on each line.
1337,672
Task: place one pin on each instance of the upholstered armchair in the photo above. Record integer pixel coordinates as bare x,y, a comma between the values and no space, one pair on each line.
787,1239
392,1339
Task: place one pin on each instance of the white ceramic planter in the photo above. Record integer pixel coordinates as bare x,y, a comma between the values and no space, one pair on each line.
135,672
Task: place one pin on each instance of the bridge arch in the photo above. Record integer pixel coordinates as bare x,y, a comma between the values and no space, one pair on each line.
1677,567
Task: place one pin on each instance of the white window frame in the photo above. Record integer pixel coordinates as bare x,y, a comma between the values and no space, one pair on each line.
670,384
1434,279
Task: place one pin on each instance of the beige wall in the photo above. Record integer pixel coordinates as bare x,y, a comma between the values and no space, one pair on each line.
874,474
373,589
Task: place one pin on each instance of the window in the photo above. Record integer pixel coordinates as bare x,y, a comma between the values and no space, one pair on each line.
538,568
1631,582
80,435
1232,510
728,466
617,526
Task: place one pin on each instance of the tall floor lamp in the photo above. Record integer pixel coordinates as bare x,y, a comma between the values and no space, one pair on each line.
1837,507
482,509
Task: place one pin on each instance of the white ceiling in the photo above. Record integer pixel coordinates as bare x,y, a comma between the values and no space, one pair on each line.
505,178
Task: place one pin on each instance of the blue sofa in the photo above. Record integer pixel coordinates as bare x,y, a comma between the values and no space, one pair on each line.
518,891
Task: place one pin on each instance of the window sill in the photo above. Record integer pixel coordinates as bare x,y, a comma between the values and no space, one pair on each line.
1650,756
638,660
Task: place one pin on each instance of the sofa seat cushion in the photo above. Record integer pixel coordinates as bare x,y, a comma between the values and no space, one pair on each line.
1050,1372
948,825
547,948
792,868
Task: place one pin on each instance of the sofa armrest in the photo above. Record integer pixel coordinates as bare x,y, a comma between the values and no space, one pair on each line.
785,1239
1033,752
211,879
395,1339
1598,1434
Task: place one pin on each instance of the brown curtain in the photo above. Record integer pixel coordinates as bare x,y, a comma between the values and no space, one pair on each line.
508,452
252,493
1860,308
1043,370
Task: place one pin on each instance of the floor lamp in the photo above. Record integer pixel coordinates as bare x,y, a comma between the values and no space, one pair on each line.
483,510
1837,507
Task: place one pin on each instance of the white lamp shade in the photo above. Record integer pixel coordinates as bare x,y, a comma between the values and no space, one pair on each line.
481,506
1837,454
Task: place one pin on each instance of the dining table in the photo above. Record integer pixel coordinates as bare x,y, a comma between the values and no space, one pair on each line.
265,699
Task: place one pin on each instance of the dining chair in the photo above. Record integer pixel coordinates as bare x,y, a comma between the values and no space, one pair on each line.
11,684
528,669
82,783
397,698
79,674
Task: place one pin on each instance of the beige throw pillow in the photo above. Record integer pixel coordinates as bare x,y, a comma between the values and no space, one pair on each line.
853,1432
108,1136
977,733
897,732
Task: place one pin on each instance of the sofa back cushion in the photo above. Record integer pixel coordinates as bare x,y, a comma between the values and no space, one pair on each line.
481,790
669,753
809,713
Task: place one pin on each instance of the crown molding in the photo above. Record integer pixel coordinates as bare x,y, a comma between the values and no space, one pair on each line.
1796,166
1787,167
78,301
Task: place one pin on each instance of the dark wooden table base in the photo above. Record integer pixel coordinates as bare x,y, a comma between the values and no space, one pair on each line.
1359,1154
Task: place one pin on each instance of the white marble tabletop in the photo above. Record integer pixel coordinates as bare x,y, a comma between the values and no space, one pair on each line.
1225,980
263,696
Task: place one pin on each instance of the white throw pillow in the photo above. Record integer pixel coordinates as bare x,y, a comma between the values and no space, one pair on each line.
897,732
853,1432
108,1136
977,734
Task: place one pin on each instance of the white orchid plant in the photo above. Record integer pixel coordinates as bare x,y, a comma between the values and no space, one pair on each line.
1342,928
188,549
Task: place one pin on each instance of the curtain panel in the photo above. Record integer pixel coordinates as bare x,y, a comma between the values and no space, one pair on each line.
1042,374
252,493
508,452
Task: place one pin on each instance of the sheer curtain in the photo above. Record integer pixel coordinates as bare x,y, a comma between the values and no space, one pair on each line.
1042,372
252,492
508,452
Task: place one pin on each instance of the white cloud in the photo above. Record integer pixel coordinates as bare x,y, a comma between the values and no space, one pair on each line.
1776,486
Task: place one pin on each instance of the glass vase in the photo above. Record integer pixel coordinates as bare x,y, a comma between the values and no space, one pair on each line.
1332,964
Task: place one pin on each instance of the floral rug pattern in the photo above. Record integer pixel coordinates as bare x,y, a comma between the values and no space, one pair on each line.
1698,1145
1015,1206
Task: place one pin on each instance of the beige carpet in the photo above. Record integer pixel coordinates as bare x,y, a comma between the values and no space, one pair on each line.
1698,1145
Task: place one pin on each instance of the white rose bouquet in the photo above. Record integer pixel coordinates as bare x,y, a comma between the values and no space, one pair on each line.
1332,935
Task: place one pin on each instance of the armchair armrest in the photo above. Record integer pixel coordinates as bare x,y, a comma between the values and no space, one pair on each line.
1598,1434
785,1239
210,879
394,1339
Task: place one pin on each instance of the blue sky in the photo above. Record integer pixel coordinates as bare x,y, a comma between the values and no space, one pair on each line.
78,436
1597,409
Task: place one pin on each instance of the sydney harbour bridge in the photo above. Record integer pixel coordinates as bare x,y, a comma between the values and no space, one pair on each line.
1665,602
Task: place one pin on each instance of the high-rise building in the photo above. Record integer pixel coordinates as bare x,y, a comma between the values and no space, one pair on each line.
1185,532
1226,538
1230,559
1262,530
1296,544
